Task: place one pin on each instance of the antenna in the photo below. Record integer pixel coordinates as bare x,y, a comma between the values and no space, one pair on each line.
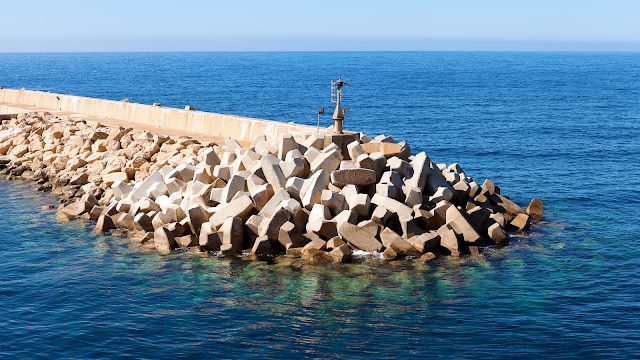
336,97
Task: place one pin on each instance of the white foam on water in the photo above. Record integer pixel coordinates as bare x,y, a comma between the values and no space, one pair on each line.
361,254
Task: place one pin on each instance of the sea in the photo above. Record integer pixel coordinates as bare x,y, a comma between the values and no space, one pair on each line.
561,127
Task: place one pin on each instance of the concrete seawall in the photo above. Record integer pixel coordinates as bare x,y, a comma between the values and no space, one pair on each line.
220,125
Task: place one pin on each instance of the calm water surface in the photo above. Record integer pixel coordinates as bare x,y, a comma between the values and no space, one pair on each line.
563,127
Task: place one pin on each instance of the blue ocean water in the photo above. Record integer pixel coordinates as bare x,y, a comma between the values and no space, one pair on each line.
563,127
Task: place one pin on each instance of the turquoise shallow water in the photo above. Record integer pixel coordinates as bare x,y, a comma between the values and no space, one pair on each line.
559,126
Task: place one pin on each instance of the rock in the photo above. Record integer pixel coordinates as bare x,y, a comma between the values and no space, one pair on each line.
392,205
391,254
370,226
316,244
412,196
491,187
164,239
125,220
504,205
197,216
317,256
262,195
79,179
535,209
358,177
177,230
358,238
232,231
441,193
270,207
341,253
461,225
381,216
286,143
409,227
91,199
293,167
63,217
143,222
323,228
449,242
272,172
105,223
497,233
388,236
425,241
228,250
355,150
210,158
290,236
236,184
364,161
111,178
210,241
317,182
387,149
360,204
427,256
327,161
160,219
78,208
96,211
270,226
334,242
186,241
239,207
346,216
335,202
261,247
521,222
294,186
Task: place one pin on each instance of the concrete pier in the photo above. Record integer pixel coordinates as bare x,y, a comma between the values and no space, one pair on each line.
199,125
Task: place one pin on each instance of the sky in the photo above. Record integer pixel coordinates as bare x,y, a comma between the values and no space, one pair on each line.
327,25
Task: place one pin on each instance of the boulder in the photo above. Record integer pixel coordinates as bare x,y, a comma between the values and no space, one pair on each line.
210,241
164,239
386,148
521,222
449,242
341,253
360,204
125,220
497,233
327,161
261,247
392,205
270,226
426,241
239,207
290,236
359,238
105,223
461,225
272,172
358,177
535,209
504,205
313,193
334,242
232,232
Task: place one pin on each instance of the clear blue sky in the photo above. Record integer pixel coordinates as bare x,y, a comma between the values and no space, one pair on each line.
282,25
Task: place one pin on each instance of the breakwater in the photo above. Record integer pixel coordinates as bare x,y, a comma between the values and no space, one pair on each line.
240,128
312,196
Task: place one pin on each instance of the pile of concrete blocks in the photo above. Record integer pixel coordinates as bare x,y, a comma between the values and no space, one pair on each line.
295,197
